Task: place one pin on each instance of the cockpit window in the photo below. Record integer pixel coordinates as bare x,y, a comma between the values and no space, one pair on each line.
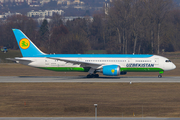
168,61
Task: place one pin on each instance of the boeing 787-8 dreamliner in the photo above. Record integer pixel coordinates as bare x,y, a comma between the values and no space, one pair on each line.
108,64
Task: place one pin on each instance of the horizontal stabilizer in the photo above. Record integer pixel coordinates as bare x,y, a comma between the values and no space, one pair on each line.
18,59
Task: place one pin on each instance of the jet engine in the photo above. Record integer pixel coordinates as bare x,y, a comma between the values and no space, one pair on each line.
111,70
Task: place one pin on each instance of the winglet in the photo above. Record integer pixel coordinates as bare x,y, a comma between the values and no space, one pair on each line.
27,47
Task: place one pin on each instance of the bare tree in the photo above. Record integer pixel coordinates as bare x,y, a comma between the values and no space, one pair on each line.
27,25
138,23
157,10
120,20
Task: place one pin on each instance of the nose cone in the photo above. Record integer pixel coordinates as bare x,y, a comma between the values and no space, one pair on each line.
169,66
173,66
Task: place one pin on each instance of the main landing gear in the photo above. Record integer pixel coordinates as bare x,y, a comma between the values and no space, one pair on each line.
92,76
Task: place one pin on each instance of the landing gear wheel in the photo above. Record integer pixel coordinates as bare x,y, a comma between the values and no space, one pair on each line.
92,76
89,76
96,75
159,76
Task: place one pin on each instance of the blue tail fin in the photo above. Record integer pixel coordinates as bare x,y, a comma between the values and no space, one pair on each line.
27,47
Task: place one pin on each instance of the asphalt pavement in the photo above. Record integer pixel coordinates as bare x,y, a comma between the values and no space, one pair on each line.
76,79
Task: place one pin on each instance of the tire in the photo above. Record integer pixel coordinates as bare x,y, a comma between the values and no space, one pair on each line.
96,76
88,76
159,76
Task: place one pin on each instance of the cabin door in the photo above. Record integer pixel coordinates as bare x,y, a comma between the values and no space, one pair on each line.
47,62
156,61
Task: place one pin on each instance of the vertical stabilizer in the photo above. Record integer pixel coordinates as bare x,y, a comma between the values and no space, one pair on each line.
27,47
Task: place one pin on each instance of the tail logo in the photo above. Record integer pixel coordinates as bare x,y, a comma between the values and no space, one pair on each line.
24,43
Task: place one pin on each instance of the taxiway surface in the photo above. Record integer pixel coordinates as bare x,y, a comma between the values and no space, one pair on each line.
75,79
83,118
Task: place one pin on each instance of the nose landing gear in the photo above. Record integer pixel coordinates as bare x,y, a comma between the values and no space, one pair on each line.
159,76
161,72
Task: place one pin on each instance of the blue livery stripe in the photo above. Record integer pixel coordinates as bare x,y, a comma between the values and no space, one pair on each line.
97,56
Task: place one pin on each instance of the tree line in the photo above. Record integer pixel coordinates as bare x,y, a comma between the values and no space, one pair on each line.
130,26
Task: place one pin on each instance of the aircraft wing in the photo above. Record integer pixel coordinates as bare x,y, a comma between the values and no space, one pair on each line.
85,64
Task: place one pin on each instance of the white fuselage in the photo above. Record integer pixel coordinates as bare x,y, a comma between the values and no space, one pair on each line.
154,61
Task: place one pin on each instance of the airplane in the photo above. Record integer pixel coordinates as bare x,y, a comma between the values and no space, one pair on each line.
108,64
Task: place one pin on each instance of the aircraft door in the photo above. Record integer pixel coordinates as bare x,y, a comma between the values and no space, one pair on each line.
47,62
80,60
156,61
129,61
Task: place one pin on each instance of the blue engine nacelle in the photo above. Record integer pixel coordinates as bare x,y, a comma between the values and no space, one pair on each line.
111,70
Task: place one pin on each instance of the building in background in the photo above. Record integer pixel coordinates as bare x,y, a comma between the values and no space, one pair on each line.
46,13
8,14
107,4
